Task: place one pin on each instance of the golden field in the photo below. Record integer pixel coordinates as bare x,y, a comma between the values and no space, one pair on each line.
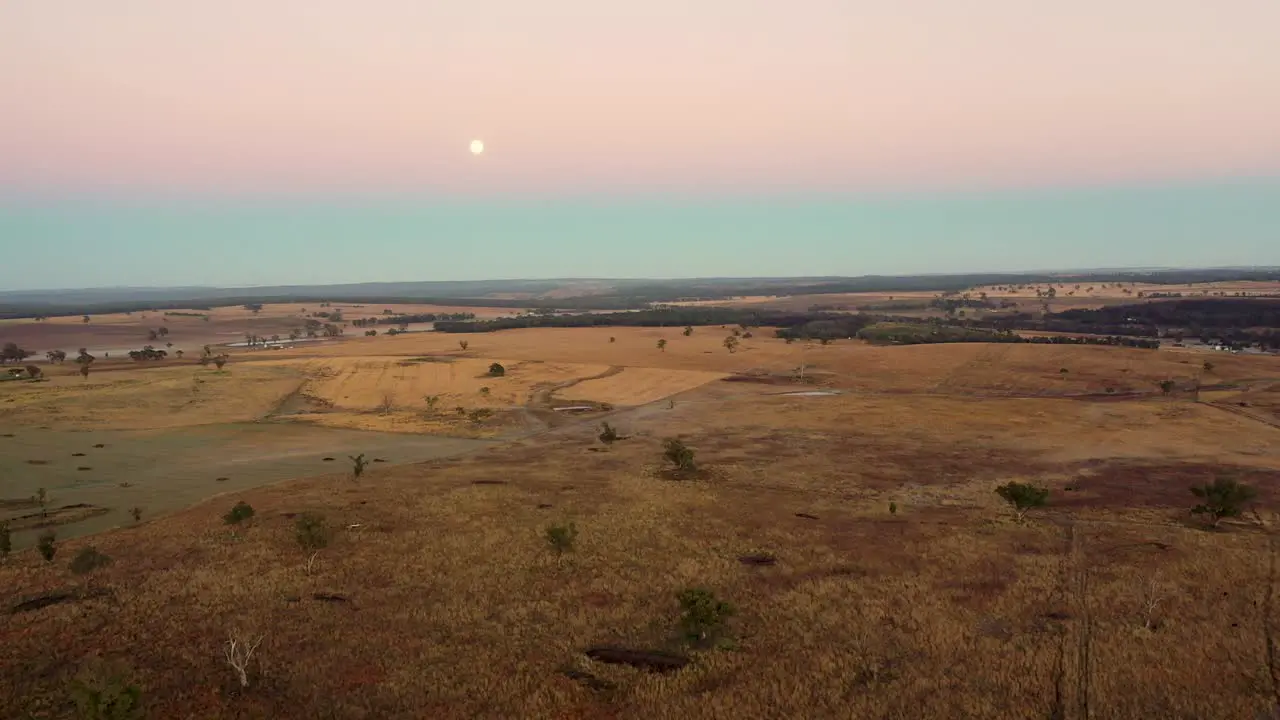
453,605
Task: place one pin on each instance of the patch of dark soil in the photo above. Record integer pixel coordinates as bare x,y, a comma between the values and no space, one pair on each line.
221,479
37,462
544,506
591,681
41,601
7,435
1119,483
761,379
330,598
647,660
100,446
488,482
83,468
379,460
326,459
17,503
759,559
292,598
806,516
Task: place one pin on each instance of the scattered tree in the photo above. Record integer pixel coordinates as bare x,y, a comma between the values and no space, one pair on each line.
238,654
662,345
1023,497
136,513
84,371
220,360
45,545
86,562
463,344
731,343
613,339
479,415
607,433
311,531
101,692
240,512
431,401
688,330
388,402
358,464
893,508
6,541
496,370
702,615
1222,498
42,499
678,454
33,372
1166,386
1208,366
561,537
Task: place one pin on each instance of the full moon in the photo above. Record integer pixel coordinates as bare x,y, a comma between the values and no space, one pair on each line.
477,147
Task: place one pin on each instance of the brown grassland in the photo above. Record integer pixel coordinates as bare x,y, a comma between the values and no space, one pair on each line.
439,596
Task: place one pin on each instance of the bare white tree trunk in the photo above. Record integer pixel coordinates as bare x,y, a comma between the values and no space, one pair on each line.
238,654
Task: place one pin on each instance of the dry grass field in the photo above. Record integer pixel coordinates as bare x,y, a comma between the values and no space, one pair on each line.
438,594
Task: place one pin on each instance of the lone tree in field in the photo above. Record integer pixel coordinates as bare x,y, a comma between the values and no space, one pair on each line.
662,345
561,537
1166,386
84,371
1222,498
431,401
731,343
463,344
101,691
496,370
86,562
45,545
678,454
33,372
702,615
688,330
608,434
220,361
1023,497
238,654
358,464
241,512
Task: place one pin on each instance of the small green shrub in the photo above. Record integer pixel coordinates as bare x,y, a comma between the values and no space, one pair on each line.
702,616
479,415
893,508
678,454
1222,498
1023,497
607,433
561,537
45,545
88,560
311,531
101,692
136,514
239,513
496,370
358,464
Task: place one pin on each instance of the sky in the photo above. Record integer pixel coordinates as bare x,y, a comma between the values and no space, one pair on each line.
247,142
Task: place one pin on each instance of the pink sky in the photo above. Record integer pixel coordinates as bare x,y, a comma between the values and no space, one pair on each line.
303,95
